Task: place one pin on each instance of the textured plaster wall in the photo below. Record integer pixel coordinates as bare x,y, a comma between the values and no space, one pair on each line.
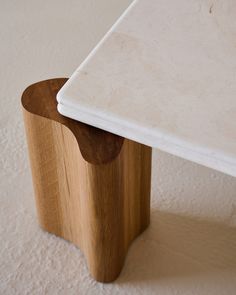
190,247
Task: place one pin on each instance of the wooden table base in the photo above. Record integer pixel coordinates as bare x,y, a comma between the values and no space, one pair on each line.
91,187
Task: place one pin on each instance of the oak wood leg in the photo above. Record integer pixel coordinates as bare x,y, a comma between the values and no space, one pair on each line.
91,187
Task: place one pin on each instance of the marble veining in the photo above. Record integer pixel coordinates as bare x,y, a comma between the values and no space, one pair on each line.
164,75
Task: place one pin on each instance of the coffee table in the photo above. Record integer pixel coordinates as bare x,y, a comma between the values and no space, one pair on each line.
164,76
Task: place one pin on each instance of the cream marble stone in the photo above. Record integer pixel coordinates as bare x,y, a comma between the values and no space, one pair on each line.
164,75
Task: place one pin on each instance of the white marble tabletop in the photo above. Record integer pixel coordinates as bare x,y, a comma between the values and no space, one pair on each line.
164,75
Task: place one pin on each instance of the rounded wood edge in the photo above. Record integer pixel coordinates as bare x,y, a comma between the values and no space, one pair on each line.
114,199
96,146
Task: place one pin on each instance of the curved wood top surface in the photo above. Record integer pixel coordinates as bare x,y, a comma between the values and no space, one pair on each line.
97,146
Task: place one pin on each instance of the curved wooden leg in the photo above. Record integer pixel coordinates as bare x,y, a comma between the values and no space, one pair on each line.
91,187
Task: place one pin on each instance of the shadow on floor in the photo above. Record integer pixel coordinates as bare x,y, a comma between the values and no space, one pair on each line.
177,246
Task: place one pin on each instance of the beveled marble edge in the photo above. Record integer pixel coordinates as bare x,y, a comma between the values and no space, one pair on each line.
94,50
154,138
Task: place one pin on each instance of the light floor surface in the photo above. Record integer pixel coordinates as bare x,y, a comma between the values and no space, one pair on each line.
190,246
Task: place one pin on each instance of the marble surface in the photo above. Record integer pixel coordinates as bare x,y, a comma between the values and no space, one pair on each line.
164,75
190,246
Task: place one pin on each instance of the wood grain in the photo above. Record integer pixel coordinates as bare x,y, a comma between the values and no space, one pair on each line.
91,187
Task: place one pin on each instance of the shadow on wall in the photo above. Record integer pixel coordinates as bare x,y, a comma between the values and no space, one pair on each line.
176,245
